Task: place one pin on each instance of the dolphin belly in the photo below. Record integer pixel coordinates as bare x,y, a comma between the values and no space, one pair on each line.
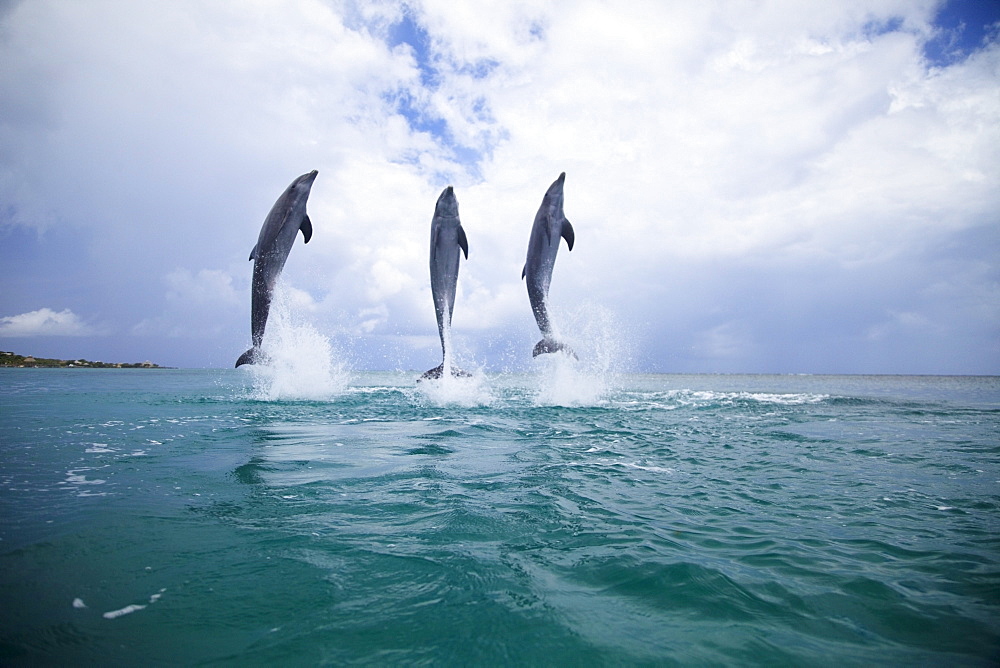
537,297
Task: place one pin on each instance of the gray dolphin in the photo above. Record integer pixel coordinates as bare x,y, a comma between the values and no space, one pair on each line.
447,238
550,224
287,217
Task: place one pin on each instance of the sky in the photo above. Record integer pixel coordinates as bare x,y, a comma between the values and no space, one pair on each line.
767,186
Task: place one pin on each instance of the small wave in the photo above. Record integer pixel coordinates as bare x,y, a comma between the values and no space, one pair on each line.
121,612
74,477
686,398
647,467
129,609
787,399
791,399
374,389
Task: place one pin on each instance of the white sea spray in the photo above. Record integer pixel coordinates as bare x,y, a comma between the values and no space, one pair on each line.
602,349
300,362
467,391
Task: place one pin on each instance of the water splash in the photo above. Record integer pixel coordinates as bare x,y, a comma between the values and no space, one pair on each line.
472,390
447,368
301,362
603,350
565,381
469,388
447,364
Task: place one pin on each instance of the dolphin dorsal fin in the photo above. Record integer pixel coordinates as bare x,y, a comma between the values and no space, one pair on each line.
567,233
463,242
307,229
253,252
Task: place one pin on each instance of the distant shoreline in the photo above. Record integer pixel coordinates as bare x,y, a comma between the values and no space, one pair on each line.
13,360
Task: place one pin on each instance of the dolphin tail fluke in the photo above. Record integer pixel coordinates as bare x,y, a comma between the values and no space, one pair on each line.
551,346
438,371
251,356
432,374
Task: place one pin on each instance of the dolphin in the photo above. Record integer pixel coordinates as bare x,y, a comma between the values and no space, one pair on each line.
550,224
447,239
287,217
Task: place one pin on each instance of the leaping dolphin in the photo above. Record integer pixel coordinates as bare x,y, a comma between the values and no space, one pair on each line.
447,238
550,224
287,217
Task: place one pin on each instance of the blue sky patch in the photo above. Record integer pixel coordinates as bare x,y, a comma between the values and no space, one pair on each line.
417,115
963,26
411,105
412,34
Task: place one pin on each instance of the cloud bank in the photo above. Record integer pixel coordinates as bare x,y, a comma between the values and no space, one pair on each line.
754,187
44,322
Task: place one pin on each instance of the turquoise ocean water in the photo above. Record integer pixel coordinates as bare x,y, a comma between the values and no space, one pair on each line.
237,517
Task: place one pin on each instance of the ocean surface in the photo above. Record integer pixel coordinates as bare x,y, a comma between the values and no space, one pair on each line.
556,517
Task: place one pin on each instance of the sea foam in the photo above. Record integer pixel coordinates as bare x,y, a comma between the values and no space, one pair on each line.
471,390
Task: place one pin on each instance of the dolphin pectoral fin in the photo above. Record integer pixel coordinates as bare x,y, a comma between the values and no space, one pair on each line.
253,252
524,272
551,346
568,234
307,229
249,357
463,242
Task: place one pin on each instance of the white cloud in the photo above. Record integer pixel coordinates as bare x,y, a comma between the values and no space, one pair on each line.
196,304
207,287
45,322
371,318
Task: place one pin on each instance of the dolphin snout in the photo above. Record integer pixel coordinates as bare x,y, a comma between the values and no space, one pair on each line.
307,179
447,203
555,190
